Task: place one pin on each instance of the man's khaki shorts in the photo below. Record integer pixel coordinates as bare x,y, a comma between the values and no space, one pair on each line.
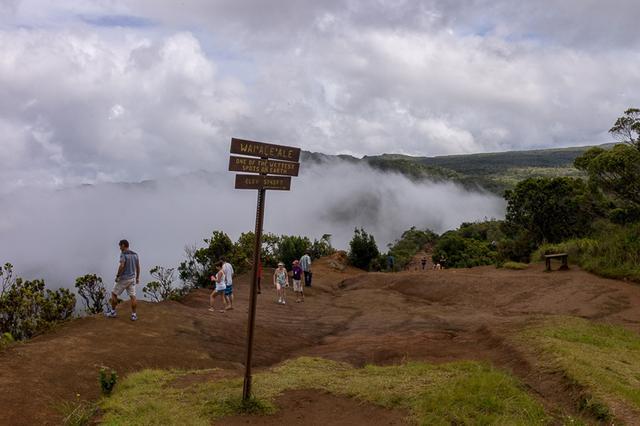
122,285
297,285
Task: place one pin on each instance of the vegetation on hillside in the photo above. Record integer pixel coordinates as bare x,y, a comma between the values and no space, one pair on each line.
196,269
602,359
410,242
27,308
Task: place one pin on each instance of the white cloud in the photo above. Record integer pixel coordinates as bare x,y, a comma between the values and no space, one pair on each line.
131,90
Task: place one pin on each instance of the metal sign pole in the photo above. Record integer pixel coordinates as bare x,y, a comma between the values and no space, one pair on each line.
246,388
273,160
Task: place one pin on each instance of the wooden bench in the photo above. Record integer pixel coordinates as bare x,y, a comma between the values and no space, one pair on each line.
564,257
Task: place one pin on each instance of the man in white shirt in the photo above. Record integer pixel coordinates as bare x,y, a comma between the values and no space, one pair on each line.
228,280
305,264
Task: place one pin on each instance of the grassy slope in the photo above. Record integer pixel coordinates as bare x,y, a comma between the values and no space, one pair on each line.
454,393
600,358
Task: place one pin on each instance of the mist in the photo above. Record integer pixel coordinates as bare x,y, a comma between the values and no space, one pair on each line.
59,235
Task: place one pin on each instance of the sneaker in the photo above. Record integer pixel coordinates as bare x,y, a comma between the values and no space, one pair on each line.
134,317
279,300
110,313
284,302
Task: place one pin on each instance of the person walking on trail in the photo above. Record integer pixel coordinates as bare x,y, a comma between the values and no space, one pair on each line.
218,289
423,261
280,281
127,277
297,274
305,264
228,281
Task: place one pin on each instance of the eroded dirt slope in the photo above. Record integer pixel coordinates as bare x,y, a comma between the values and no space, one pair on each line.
348,315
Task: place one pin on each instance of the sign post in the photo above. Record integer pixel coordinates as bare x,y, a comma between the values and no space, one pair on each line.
285,165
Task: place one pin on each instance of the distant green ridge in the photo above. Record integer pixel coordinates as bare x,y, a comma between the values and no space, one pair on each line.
494,172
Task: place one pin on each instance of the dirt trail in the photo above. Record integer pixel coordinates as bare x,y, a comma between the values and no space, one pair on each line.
360,318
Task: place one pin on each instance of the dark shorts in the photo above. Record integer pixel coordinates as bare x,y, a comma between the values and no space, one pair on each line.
229,290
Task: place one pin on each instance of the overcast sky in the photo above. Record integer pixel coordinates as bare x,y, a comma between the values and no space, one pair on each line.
103,91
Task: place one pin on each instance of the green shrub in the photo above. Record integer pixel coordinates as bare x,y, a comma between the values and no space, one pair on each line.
519,266
454,251
107,378
163,287
363,249
6,339
93,292
26,308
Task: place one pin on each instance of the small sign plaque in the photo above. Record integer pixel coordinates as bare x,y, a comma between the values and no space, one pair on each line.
278,183
270,167
264,150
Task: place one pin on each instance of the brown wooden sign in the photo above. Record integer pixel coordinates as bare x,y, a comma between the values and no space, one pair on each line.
270,167
264,150
280,183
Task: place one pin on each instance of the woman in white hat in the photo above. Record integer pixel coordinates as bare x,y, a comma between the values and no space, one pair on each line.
280,281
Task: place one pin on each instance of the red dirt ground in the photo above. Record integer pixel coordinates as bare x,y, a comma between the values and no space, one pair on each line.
348,315
318,408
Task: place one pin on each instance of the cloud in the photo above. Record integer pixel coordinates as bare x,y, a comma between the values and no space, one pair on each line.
82,109
91,93
59,235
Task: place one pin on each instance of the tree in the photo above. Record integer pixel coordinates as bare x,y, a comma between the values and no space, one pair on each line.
162,287
550,209
362,249
627,128
322,247
616,172
92,291
197,268
291,247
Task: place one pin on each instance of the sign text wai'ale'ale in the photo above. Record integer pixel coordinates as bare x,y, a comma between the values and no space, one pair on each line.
264,166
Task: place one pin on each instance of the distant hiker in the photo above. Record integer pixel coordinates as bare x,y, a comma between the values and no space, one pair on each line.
443,262
297,273
423,262
228,281
305,264
390,262
127,277
218,289
280,281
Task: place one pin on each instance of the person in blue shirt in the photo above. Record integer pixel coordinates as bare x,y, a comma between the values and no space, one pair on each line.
127,277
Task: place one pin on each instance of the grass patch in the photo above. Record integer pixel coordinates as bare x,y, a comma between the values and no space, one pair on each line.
454,393
518,266
604,359
76,413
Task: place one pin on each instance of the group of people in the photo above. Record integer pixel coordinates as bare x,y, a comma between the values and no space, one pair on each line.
223,282
128,275
300,269
223,286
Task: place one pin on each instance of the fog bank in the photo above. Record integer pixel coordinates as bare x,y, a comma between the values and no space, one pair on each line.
60,235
